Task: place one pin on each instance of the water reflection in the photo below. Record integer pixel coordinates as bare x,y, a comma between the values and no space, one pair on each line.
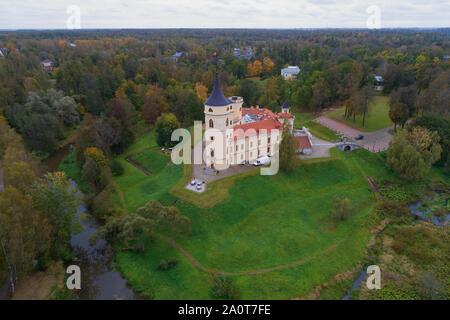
99,281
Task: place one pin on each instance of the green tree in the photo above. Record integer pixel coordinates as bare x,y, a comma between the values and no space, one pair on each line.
288,146
342,208
53,196
132,230
411,155
165,125
24,233
398,113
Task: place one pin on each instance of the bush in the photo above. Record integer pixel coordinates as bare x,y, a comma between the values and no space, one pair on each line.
392,208
116,168
167,264
224,288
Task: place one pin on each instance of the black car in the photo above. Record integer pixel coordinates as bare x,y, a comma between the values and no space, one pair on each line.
359,137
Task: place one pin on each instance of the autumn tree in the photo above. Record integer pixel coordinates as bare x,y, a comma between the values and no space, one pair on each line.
268,66
165,125
154,104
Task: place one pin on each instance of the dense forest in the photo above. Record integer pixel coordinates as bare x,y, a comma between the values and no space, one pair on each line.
104,87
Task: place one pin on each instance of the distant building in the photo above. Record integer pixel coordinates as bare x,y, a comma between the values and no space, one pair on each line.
47,65
290,73
72,45
446,57
248,53
378,83
178,55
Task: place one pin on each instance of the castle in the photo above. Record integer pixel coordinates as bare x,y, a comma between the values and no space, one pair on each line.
236,135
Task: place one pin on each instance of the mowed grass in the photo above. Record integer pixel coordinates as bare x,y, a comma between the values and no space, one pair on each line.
378,117
320,131
262,222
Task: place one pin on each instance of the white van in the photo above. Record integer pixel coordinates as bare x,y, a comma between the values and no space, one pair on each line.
261,161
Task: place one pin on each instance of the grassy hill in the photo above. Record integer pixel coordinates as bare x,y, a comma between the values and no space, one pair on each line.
260,222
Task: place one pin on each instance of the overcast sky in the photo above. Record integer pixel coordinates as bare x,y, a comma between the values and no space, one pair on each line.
53,14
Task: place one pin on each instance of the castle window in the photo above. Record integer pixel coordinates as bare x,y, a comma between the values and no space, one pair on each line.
268,140
231,107
211,123
227,122
212,138
210,110
242,146
237,147
212,152
242,156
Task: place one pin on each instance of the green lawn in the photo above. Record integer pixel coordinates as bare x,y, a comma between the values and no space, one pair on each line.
261,222
378,117
320,131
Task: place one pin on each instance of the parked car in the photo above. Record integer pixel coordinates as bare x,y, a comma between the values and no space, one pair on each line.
193,182
359,137
199,187
199,183
243,163
261,161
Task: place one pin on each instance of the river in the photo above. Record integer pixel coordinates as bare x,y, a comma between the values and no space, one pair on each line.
99,281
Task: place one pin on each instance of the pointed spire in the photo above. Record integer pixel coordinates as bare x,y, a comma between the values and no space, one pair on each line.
285,105
217,99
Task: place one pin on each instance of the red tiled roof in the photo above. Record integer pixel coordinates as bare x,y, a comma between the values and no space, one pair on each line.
303,142
284,115
262,112
254,128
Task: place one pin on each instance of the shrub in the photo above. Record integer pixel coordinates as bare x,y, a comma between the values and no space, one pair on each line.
116,168
392,208
167,264
343,208
224,288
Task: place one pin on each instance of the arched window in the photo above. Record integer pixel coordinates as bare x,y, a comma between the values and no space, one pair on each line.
210,110
212,152
227,122
211,123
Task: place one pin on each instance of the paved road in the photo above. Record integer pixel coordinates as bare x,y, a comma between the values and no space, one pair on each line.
373,141
320,149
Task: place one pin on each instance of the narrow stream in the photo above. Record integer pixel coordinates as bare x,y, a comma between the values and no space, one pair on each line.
99,281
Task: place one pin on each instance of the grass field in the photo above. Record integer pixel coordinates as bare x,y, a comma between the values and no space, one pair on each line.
257,222
378,117
320,131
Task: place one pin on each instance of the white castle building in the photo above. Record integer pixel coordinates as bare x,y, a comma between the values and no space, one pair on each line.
234,134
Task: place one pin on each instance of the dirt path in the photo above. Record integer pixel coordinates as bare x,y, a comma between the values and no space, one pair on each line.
374,187
137,165
40,285
259,271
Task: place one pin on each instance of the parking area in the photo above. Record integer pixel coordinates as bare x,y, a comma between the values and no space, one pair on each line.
196,185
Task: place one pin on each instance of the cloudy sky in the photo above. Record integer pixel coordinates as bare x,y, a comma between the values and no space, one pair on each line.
61,14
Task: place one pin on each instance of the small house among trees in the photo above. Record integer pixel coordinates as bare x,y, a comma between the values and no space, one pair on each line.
290,73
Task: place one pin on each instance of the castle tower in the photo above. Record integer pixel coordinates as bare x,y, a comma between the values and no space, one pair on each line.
285,115
219,115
